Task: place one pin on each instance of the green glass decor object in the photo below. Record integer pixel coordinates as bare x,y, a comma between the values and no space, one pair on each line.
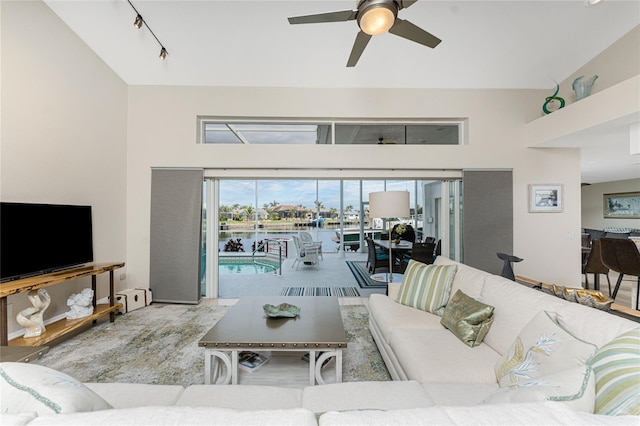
551,99
283,310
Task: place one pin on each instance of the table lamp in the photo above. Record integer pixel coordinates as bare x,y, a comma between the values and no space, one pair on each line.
389,205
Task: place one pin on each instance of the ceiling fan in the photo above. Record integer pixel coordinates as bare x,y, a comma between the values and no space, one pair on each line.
374,17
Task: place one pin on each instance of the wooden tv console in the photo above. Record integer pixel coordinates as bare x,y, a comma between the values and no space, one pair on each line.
64,326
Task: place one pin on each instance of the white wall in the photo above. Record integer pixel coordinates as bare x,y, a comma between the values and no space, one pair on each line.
162,133
593,204
624,54
63,134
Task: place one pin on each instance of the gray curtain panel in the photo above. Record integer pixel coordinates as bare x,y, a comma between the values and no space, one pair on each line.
487,218
176,231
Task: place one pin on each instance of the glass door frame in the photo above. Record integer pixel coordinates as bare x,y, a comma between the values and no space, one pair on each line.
213,220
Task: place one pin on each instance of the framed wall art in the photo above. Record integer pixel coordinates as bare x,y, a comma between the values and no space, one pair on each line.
545,198
623,205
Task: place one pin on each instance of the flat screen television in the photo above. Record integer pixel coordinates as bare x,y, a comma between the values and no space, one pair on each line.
43,238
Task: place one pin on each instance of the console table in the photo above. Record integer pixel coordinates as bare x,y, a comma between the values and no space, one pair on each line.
64,326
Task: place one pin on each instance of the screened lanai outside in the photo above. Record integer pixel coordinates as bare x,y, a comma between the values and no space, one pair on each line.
351,132
248,230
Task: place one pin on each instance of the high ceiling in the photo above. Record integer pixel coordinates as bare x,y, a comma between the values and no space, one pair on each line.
485,44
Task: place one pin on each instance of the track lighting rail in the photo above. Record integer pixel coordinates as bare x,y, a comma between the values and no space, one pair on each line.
139,22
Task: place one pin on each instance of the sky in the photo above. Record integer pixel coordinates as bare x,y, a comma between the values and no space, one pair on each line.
296,192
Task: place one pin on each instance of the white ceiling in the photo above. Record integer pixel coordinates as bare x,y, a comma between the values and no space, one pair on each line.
486,44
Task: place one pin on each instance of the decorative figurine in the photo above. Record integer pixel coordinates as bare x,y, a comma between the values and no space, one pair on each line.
583,87
32,318
552,99
81,304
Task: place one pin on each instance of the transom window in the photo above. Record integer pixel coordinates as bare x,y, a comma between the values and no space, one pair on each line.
221,131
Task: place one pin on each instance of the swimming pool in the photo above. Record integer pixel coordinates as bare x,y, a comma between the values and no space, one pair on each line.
235,266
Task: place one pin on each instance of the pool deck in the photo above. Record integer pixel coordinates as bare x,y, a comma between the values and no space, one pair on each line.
333,272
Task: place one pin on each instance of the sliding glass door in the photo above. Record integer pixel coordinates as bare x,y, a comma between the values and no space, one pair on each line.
240,215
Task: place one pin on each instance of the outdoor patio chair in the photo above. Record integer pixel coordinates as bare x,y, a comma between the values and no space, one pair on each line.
307,241
309,255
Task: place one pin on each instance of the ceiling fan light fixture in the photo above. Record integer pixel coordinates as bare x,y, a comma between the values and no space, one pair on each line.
377,18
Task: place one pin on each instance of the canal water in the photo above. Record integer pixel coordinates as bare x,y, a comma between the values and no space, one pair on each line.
247,238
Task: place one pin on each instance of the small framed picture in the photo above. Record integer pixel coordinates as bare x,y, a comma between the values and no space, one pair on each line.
624,205
545,198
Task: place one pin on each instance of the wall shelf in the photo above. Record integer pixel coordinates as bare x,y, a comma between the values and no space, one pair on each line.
615,105
62,327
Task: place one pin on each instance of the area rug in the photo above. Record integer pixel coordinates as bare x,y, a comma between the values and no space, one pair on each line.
158,344
320,291
359,271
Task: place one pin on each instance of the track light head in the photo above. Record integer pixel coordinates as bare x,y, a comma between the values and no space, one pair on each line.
138,22
163,53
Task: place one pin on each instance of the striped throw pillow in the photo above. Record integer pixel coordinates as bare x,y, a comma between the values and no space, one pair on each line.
426,287
617,369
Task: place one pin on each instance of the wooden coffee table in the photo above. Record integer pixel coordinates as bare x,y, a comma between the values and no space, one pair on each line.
318,329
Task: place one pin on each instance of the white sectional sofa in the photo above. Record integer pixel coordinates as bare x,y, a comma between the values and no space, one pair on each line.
438,378
355,403
416,346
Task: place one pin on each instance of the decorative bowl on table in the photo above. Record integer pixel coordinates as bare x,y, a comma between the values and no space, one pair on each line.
283,310
591,298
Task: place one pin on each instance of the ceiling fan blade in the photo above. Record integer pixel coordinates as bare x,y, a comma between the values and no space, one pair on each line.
362,39
344,15
405,3
406,29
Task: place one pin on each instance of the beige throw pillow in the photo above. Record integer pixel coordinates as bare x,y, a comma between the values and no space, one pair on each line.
543,347
33,388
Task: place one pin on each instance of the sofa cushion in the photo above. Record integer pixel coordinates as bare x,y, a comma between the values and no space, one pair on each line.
590,324
20,419
172,415
245,397
515,306
128,395
574,387
454,394
545,413
469,280
541,349
437,356
617,369
393,289
389,314
426,287
468,319
365,395
34,388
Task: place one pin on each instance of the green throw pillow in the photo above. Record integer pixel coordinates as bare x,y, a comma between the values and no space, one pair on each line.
468,319
426,287
617,369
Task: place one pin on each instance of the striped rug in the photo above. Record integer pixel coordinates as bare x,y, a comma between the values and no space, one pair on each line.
320,291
